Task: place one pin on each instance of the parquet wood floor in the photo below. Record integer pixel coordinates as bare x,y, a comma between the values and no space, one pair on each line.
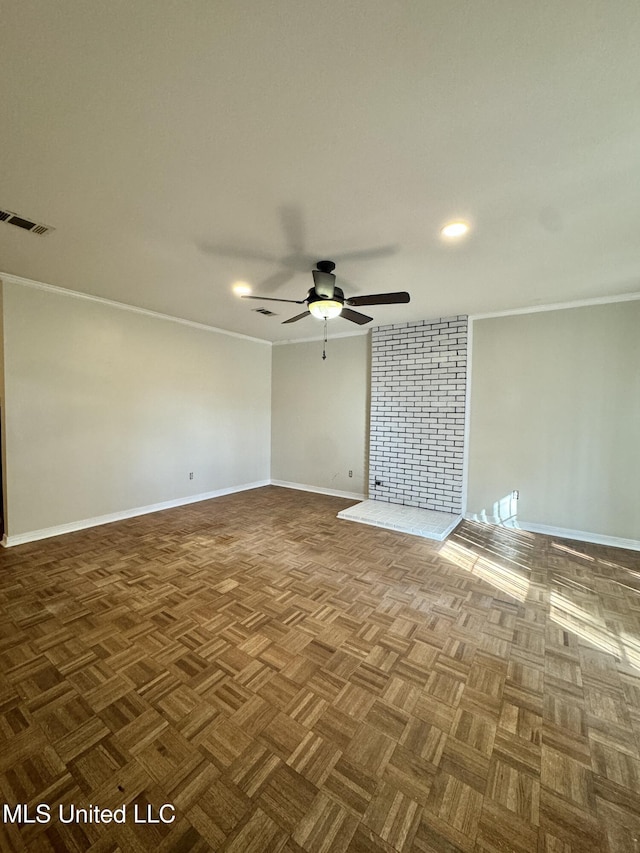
291,682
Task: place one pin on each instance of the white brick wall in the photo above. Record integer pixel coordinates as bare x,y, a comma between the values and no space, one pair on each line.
418,382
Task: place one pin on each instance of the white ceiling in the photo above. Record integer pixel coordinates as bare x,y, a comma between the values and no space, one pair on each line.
179,146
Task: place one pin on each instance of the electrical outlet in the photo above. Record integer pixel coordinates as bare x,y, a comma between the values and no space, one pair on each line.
351,473
191,475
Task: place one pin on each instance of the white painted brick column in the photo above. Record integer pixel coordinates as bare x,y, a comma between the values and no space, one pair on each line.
418,384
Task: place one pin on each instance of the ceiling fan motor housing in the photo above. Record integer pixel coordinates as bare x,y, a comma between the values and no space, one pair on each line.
314,295
324,283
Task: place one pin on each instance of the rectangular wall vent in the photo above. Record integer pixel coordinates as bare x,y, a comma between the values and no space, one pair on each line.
12,218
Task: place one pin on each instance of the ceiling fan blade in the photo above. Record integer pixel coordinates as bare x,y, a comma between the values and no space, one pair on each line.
365,254
273,299
355,316
380,299
324,283
230,251
296,318
277,280
292,220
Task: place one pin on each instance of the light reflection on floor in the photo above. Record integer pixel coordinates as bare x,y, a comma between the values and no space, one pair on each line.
573,604
505,579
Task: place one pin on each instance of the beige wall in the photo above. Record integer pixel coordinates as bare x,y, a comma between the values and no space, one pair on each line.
108,410
555,413
320,413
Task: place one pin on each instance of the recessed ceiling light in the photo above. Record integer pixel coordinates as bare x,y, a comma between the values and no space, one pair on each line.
455,229
241,288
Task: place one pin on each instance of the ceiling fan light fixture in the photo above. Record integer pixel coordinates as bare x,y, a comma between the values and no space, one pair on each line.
455,230
241,288
327,300
325,309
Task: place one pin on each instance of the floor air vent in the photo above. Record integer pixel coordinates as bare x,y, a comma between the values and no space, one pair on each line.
12,218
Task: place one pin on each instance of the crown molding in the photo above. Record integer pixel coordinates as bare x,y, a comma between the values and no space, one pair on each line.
559,306
9,278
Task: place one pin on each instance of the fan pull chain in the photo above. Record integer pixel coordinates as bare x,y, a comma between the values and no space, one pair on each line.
324,345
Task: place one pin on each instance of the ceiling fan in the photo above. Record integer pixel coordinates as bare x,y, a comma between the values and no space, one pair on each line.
325,300
297,258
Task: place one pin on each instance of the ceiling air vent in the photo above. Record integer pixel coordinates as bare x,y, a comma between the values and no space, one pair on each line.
264,311
12,218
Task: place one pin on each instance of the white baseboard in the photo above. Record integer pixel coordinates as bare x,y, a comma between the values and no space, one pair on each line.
582,536
565,533
71,527
302,487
